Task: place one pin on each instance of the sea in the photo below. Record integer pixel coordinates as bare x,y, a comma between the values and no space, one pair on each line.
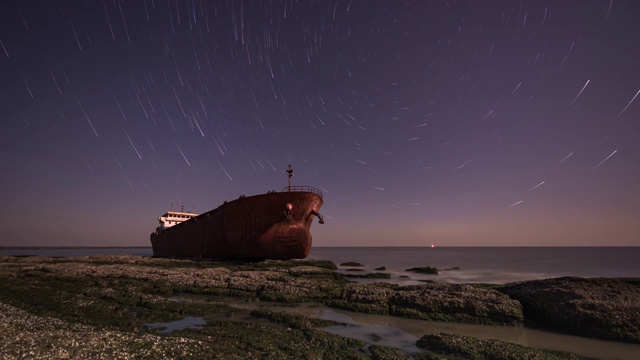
494,265
491,265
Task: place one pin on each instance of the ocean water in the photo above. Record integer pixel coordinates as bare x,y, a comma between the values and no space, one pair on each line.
496,265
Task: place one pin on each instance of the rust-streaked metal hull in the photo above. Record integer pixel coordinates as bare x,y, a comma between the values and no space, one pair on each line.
252,227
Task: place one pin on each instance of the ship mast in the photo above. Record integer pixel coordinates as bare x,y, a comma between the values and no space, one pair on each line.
290,172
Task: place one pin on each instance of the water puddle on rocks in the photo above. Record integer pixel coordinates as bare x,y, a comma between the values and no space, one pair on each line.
403,333
186,323
369,333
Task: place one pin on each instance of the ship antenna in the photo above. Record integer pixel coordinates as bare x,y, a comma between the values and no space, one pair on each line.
182,208
290,172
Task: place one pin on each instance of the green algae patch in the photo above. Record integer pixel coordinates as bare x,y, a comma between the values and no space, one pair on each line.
475,349
292,320
257,340
110,303
387,353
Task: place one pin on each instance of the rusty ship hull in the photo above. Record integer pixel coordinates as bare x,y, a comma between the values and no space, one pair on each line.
275,225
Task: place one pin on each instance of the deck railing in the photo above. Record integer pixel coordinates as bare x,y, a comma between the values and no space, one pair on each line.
310,189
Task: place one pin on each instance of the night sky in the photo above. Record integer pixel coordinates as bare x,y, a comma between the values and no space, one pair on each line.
454,123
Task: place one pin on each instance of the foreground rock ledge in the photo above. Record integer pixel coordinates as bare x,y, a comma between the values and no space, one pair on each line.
85,299
284,281
28,336
600,308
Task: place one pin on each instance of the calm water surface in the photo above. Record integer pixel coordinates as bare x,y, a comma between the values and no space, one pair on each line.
491,264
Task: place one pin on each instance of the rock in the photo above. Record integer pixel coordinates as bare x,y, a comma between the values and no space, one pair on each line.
434,301
317,263
353,269
293,321
367,298
351,263
424,270
451,268
310,271
25,335
381,268
455,303
122,292
96,308
471,348
387,353
279,281
599,308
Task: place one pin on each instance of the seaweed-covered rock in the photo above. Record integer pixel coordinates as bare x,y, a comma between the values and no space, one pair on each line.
455,302
367,298
387,353
292,320
424,270
281,281
632,281
471,348
599,308
92,308
311,271
381,268
433,301
28,336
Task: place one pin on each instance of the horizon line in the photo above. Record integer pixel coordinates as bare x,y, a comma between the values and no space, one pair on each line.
340,246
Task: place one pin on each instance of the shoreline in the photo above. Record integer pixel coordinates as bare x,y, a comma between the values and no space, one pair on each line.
123,293
464,265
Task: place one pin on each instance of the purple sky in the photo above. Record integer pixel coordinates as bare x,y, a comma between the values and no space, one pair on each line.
455,123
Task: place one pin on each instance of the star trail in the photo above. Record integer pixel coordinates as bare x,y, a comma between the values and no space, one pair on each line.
455,123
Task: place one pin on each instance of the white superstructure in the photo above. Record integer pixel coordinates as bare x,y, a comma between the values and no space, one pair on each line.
172,218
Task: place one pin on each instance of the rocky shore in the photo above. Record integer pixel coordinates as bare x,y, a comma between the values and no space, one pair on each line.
100,307
597,308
